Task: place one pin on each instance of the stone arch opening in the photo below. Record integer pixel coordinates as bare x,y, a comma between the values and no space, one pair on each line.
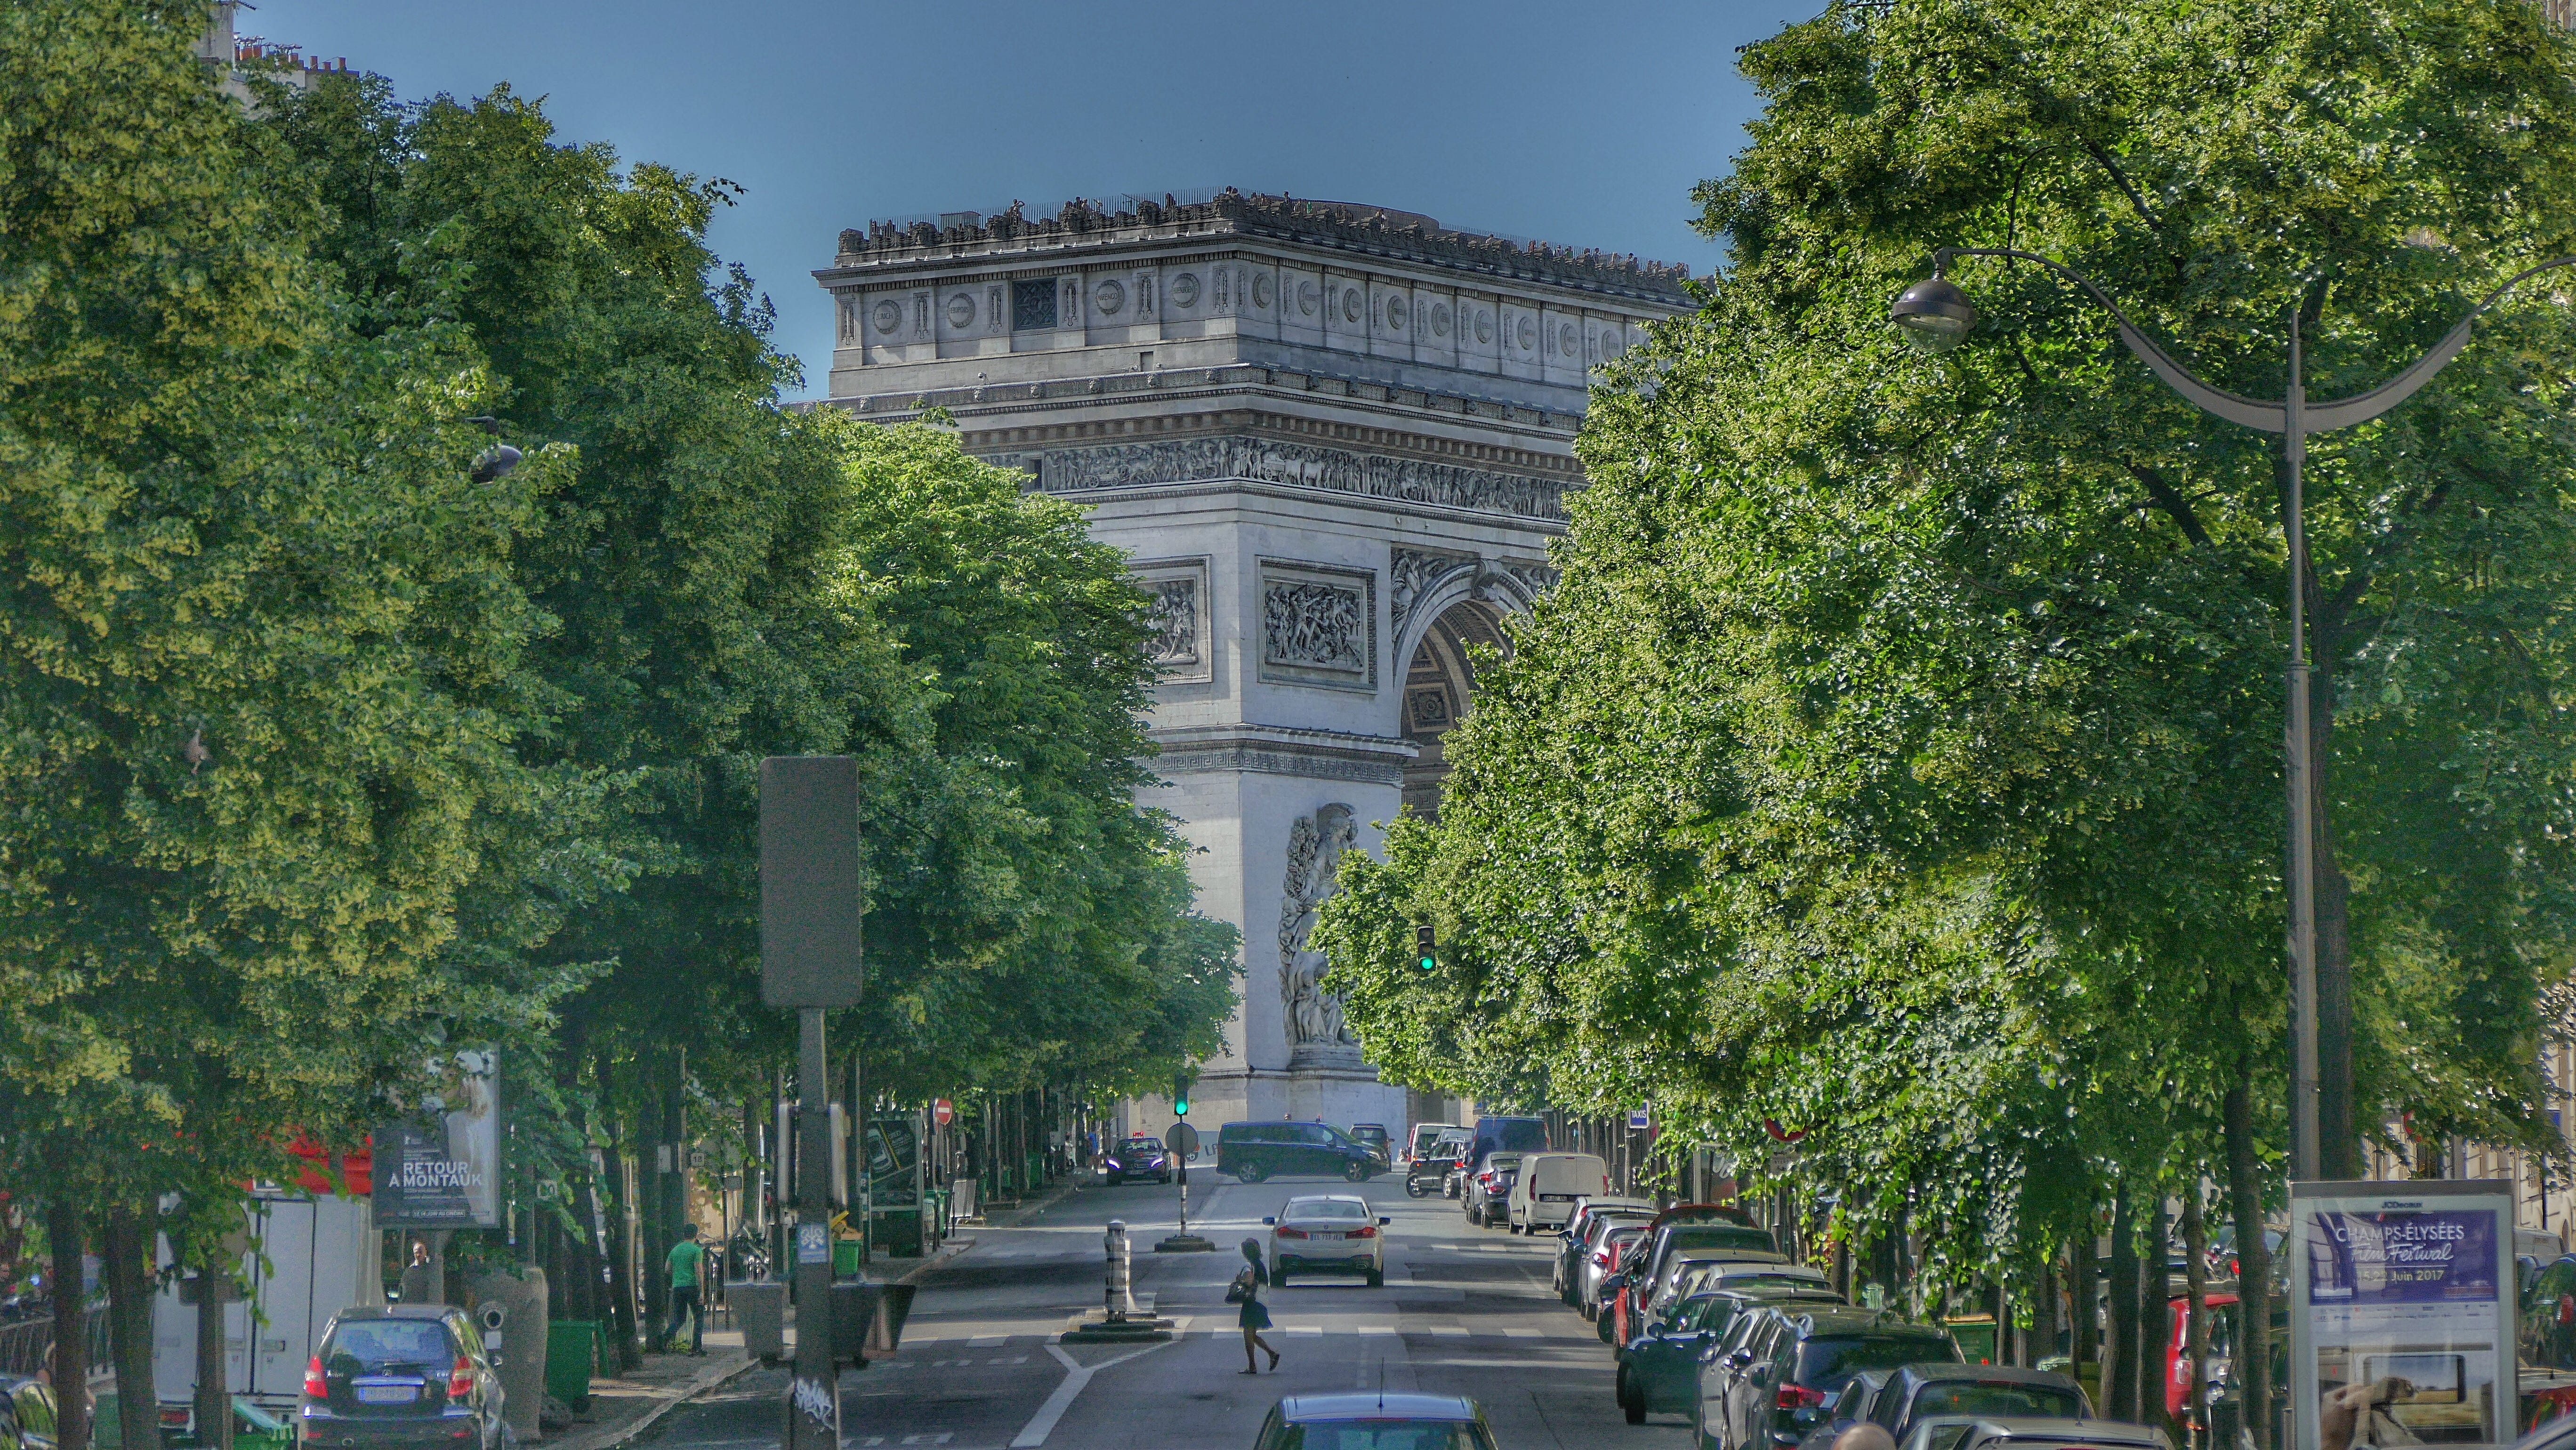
1439,684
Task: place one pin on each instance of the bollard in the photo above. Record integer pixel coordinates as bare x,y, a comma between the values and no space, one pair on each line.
1119,1298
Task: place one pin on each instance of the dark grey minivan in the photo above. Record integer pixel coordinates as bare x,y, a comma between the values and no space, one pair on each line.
402,1377
1254,1151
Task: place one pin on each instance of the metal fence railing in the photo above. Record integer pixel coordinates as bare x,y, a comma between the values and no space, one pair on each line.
27,1345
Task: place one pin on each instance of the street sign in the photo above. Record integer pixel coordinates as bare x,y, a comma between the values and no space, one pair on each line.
1181,1138
811,893
1638,1119
942,1112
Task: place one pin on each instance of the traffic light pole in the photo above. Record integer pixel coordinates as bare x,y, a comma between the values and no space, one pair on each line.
814,1400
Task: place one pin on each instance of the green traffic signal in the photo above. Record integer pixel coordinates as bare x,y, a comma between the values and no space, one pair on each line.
1180,1098
1426,948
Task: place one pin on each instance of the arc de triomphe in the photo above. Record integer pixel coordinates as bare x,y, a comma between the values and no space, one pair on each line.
1335,440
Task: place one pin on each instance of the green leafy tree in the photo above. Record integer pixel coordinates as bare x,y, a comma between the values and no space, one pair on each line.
1899,759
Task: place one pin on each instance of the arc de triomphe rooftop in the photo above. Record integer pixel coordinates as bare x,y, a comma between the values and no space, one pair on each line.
1335,440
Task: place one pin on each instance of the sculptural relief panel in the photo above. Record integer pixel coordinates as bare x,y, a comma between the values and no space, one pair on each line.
1318,1034
1179,618
1318,625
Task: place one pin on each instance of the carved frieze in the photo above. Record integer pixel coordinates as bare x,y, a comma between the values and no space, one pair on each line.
1315,847
1411,576
1407,480
1318,625
1176,616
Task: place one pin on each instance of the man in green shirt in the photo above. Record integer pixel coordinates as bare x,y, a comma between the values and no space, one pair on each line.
686,1257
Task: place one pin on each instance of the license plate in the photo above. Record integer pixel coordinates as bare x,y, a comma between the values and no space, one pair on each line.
387,1394
1327,1234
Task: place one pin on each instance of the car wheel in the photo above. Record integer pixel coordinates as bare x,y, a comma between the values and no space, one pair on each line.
1377,1278
1249,1173
1601,1326
1356,1172
1412,1189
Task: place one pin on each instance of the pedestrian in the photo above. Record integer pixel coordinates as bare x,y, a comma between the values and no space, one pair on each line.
415,1279
1256,1315
687,1256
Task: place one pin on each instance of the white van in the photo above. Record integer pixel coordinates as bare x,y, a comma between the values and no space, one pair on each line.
1549,1186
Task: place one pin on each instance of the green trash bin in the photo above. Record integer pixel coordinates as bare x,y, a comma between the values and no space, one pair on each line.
572,1350
845,1258
898,1232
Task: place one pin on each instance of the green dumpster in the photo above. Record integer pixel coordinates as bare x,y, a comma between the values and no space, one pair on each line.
572,1351
898,1232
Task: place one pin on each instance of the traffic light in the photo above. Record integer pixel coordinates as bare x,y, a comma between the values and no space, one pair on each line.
1425,949
1180,1097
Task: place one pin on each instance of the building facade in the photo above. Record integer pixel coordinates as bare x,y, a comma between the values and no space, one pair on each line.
1335,440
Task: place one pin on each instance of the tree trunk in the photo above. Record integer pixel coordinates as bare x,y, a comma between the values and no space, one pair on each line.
2120,1346
2195,1252
653,1154
213,1402
2252,1367
620,1319
2155,1319
2081,1312
71,1319
125,1263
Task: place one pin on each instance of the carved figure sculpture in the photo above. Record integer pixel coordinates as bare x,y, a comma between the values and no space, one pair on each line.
1315,847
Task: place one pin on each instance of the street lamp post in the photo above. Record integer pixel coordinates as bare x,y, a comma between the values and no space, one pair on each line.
1936,316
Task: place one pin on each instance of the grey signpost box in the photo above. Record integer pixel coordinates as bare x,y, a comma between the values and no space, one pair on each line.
811,900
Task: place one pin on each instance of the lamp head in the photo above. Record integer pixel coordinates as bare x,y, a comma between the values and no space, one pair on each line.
1935,314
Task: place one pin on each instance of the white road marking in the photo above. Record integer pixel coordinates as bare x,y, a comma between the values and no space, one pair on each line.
989,1341
1377,1329
1521,1334
1042,1424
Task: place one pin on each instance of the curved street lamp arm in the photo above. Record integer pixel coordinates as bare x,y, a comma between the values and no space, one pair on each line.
2234,407
2362,407
2252,412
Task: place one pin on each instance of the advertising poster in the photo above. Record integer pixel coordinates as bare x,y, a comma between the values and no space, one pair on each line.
2401,1314
441,1167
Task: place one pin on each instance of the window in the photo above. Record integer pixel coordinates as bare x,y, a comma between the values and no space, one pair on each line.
2021,1401
1328,1208
378,1342
1033,304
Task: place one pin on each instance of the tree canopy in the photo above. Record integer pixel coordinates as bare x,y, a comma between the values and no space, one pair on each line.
1899,759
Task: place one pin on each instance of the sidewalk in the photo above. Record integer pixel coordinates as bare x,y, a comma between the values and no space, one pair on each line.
624,1407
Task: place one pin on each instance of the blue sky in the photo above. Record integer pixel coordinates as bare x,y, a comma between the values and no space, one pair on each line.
1584,125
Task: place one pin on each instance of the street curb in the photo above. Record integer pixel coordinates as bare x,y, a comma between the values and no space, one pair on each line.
705,1380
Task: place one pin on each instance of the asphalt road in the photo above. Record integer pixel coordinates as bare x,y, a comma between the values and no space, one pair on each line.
1464,1311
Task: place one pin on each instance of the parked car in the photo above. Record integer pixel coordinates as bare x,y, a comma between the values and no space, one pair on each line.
1431,1165
1548,1188
1580,1227
2061,1435
1615,1239
1904,1397
1482,1198
1707,1271
1372,1136
403,1377
1659,1370
1254,1151
1508,1135
27,1414
1327,1233
1138,1157
1413,1422
1624,1293
1769,1389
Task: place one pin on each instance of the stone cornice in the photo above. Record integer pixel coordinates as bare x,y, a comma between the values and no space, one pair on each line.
1363,231
1281,750
970,405
1260,422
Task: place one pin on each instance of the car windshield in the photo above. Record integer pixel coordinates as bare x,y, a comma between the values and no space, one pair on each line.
1326,1208
2002,1397
1760,1283
1143,1145
1824,1362
372,1343
1938,1434
1381,1435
